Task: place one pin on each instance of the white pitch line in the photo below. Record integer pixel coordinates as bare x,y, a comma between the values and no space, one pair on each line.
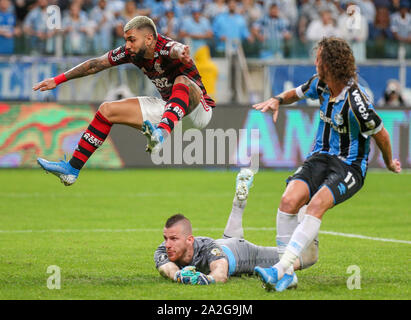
339,234
359,236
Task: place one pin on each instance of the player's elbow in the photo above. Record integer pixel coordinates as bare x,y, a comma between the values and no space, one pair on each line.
221,278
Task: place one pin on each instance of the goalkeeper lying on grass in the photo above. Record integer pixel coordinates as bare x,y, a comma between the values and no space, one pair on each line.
201,260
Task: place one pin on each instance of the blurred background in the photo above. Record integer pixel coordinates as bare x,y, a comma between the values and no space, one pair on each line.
245,50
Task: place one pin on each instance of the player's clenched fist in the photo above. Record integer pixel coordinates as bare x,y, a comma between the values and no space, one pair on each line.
189,275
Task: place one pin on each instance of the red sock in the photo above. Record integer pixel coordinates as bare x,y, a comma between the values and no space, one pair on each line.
176,108
91,139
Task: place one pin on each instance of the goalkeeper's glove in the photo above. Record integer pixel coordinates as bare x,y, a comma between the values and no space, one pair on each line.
204,279
189,275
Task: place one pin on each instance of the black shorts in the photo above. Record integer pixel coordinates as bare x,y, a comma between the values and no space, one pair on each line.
323,169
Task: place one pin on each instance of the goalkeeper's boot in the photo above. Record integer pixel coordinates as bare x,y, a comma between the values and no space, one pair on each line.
67,174
244,182
288,281
268,276
155,137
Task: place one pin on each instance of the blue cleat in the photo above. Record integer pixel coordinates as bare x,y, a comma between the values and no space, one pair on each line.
268,276
244,182
288,281
67,174
154,136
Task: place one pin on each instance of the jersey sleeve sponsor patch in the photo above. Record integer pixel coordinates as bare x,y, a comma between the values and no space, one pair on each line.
369,121
118,56
165,51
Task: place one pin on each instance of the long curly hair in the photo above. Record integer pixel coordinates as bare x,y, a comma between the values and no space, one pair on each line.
338,59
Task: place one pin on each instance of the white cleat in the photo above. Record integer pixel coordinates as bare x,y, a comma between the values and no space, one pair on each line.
244,182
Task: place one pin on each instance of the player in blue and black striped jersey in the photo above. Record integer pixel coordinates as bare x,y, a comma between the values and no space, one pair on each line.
337,165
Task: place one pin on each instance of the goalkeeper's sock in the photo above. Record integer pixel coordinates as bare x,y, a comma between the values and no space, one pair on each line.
91,139
234,226
176,108
303,235
286,224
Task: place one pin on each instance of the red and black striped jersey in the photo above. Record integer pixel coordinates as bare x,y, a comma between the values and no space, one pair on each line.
162,69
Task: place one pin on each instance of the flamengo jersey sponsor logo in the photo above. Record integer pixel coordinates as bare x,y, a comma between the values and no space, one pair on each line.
360,104
324,118
92,140
118,56
204,104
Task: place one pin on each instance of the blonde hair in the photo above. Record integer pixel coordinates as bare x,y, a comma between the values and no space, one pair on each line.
141,22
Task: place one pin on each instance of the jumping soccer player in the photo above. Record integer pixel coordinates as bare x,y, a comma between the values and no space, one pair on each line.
335,169
168,65
202,260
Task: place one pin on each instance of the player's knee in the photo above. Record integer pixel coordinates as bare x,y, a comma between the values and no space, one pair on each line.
106,109
182,79
316,207
289,204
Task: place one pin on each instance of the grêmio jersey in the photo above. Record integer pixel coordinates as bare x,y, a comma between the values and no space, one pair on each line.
162,70
346,122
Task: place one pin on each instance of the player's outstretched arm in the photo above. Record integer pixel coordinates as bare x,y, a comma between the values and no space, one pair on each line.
219,270
86,68
382,138
168,270
272,104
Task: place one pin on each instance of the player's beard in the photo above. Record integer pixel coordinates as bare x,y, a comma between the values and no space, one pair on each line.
140,54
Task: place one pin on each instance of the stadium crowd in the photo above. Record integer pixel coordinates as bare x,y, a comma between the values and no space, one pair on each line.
267,29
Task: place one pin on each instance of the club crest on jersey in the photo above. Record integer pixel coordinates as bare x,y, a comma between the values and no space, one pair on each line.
157,67
338,118
328,120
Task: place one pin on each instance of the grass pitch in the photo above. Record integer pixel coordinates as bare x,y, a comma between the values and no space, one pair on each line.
102,233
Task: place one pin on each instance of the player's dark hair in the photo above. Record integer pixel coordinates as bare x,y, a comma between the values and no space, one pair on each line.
175,219
338,59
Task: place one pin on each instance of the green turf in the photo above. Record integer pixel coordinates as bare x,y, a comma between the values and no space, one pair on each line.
116,220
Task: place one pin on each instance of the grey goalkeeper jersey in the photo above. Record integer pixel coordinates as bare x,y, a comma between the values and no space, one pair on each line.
242,255
206,250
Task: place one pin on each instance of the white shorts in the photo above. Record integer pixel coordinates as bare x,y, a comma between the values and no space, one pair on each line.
152,109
